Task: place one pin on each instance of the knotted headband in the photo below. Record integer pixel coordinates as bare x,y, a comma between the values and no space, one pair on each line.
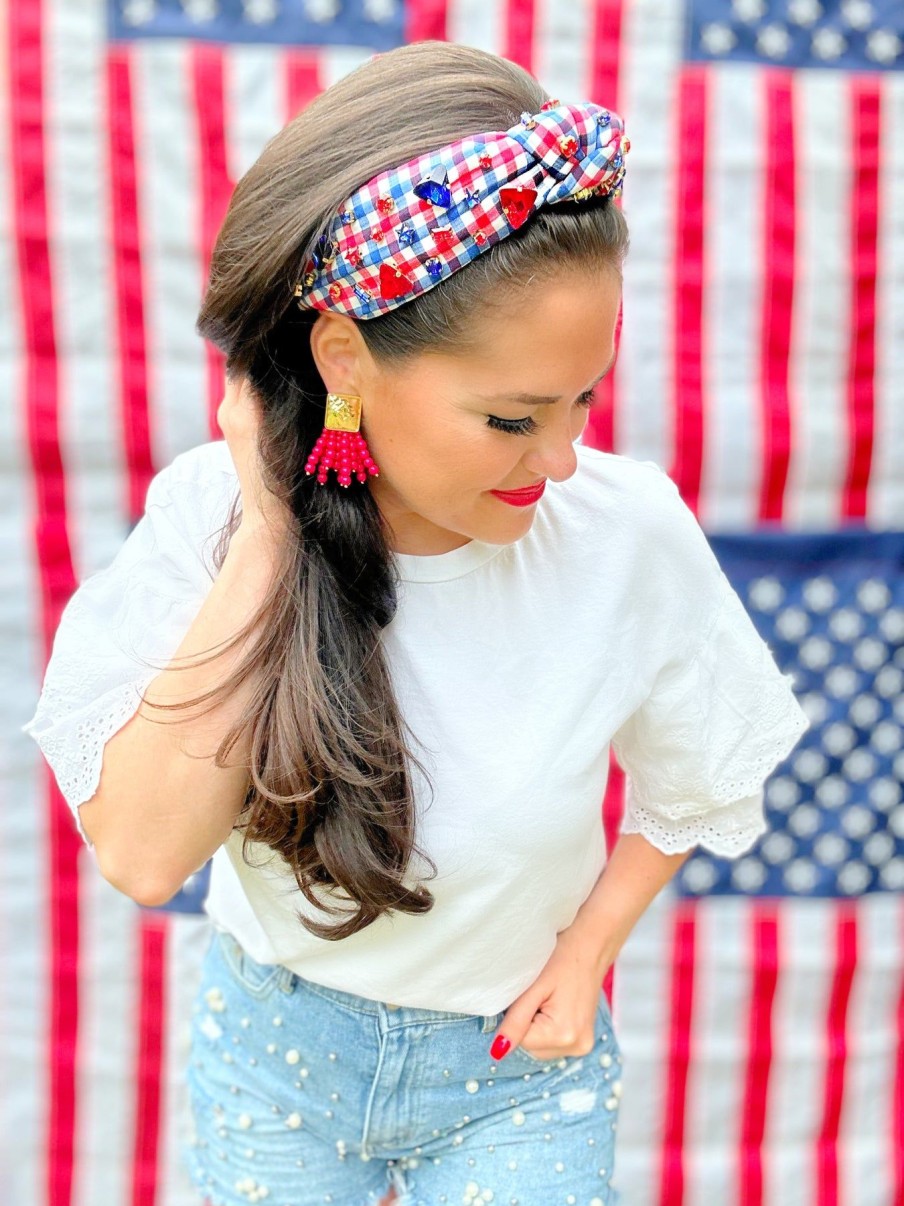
412,226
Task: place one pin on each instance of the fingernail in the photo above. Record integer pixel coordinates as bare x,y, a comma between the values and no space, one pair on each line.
500,1046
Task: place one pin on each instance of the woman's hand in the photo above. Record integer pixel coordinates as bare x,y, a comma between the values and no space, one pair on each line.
239,417
556,1015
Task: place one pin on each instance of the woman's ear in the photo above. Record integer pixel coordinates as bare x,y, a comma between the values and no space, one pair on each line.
339,352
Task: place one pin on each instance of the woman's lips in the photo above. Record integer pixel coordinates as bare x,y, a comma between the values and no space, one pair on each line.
521,498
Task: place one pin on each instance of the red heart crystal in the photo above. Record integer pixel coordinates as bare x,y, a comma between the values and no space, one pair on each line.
394,282
517,203
442,237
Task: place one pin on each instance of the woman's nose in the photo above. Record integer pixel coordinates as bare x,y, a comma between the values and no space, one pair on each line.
554,454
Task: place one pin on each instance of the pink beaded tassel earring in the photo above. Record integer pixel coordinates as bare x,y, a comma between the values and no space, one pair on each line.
340,446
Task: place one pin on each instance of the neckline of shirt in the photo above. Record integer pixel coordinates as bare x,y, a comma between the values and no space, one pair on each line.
439,567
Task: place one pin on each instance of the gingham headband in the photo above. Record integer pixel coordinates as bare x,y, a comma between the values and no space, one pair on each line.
412,226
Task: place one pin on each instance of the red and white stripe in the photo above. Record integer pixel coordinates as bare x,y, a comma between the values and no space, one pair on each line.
763,1041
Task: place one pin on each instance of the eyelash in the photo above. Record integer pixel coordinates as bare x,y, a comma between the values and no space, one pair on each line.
528,425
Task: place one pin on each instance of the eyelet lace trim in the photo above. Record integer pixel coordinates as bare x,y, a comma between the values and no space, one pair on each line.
727,831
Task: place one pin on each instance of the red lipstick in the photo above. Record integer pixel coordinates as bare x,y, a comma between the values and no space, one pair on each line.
521,498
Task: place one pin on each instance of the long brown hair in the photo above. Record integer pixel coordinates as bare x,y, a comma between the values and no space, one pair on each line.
330,766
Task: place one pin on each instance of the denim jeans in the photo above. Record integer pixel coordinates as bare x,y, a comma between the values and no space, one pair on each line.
303,1095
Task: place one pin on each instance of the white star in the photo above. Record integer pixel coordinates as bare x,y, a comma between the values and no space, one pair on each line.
858,14
800,875
883,46
839,739
891,625
815,653
748,875
259,12
699,875
773,41
873,595
892,874
321,10
200,10
845,624
717,38
792,623
380,10
804,12
782,793
748,10
828,44
138,12
853,878
884,794
878,848
819,594
832,792
766,594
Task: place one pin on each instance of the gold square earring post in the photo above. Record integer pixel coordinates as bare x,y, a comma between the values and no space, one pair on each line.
343,412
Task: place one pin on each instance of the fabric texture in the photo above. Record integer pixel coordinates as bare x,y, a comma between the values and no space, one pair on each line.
515,666
302,1095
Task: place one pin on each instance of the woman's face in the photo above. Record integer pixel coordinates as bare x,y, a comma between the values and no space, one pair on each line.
447,429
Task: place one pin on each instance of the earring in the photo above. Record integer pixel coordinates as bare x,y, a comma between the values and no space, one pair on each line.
340,445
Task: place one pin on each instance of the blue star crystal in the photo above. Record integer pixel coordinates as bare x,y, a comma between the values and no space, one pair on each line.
604,119
406,236
435,268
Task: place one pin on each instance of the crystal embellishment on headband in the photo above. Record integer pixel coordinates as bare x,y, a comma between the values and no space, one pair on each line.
410,227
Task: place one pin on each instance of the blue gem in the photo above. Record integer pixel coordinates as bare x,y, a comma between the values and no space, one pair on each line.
435,188
617,161
406,236
435,268
347,216
322,252
363,295
604,119
471,199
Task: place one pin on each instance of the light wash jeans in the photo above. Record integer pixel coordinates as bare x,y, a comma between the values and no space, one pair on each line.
303,1095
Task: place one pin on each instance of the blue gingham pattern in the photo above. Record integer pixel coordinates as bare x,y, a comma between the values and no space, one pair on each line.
559,152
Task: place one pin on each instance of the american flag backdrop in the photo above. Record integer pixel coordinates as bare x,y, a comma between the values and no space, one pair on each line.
760,1004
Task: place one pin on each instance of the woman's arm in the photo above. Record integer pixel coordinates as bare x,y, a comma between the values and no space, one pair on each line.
556,1013
162,807
633,876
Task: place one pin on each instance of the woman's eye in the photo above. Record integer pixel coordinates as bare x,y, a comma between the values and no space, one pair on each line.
528,426
513,426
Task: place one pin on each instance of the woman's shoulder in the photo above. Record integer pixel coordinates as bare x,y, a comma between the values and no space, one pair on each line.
629,488
209,462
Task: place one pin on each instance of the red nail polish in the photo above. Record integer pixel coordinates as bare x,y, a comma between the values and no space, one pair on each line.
500,1046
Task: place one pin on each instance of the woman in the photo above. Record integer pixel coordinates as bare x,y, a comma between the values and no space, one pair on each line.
429,614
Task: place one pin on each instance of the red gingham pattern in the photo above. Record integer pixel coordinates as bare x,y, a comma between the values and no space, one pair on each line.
385,239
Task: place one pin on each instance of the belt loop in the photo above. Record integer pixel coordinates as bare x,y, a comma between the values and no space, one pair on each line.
491,1021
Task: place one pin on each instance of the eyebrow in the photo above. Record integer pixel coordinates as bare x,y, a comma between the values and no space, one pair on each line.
540,399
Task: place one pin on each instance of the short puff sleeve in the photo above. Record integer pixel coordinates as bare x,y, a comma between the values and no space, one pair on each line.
122,625
720,715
